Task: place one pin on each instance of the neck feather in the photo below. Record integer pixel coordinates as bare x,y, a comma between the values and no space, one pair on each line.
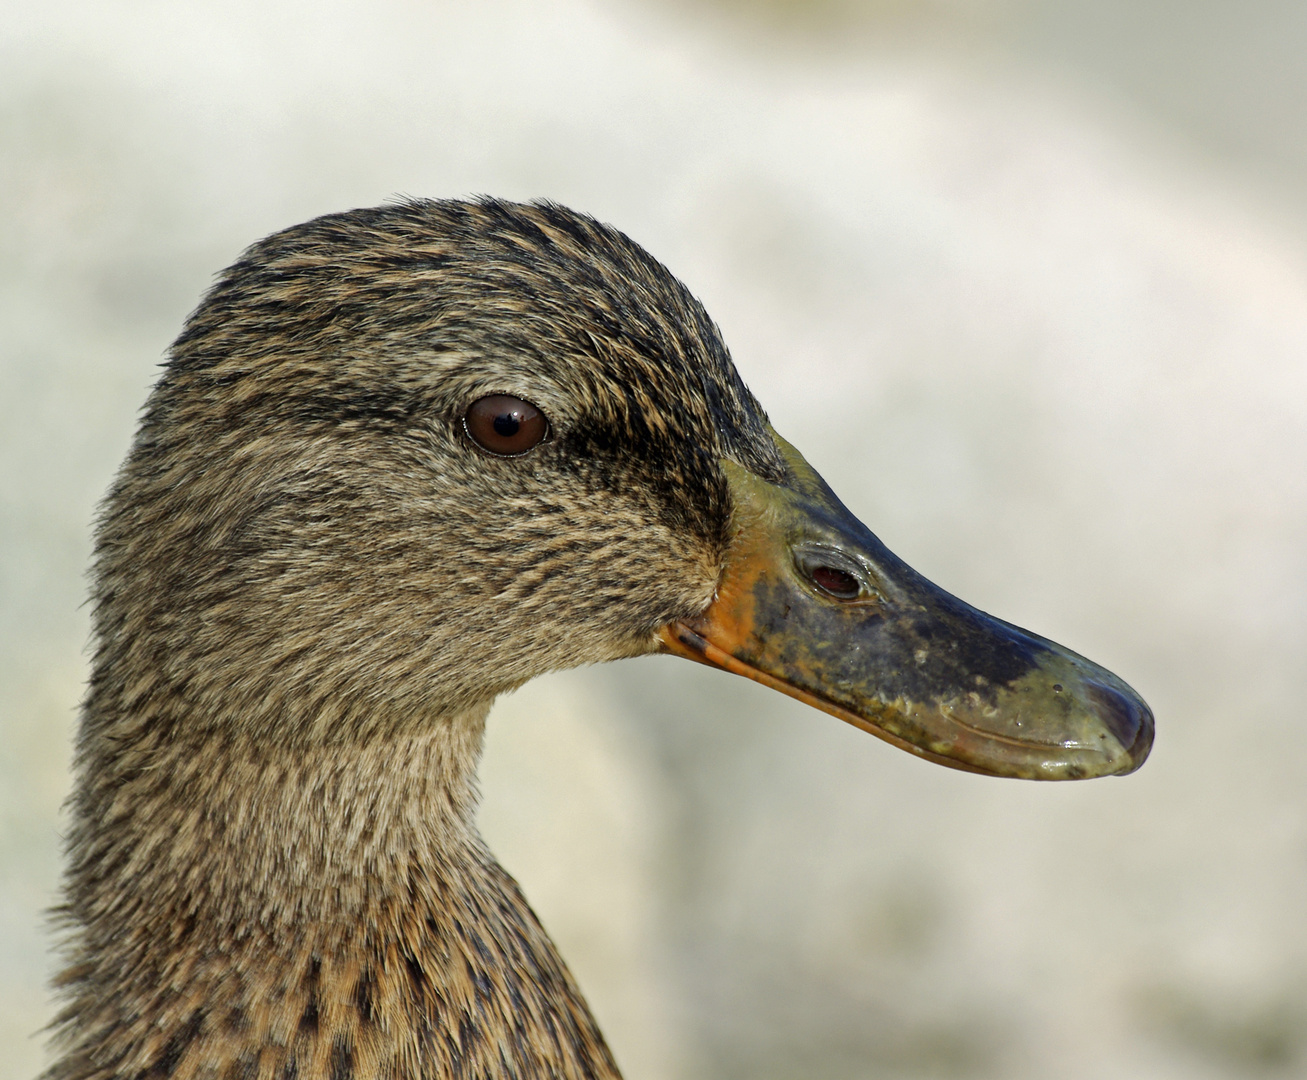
277,914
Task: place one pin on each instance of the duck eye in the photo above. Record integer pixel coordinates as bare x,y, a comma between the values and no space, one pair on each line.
505,425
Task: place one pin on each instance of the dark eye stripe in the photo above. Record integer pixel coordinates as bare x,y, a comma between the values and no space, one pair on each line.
505,425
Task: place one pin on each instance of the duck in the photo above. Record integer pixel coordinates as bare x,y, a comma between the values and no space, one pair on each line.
400,461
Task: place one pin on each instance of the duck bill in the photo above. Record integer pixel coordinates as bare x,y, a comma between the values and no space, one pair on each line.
812,604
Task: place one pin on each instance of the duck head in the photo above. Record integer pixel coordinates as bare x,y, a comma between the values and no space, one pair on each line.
402,460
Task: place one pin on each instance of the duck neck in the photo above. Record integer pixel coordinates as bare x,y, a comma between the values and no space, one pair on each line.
325,911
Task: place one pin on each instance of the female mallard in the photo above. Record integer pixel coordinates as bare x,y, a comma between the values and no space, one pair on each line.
400,461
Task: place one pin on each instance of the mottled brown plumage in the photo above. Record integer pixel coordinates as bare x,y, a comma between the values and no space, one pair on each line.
312,577
309,586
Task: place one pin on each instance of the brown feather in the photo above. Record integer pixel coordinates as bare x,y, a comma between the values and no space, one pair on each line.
309,586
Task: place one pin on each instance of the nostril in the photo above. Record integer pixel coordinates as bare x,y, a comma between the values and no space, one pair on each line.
832,572
839,583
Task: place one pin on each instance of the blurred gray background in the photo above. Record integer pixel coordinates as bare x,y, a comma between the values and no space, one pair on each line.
1026,281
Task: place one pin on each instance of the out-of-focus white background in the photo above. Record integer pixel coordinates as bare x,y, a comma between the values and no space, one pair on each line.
1026,281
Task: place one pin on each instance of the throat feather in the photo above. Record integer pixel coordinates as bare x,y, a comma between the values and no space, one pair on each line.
323,915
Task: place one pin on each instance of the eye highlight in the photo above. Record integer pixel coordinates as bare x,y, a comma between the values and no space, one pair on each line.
505,425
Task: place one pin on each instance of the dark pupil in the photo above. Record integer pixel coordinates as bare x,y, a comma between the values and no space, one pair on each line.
506,424
836,582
